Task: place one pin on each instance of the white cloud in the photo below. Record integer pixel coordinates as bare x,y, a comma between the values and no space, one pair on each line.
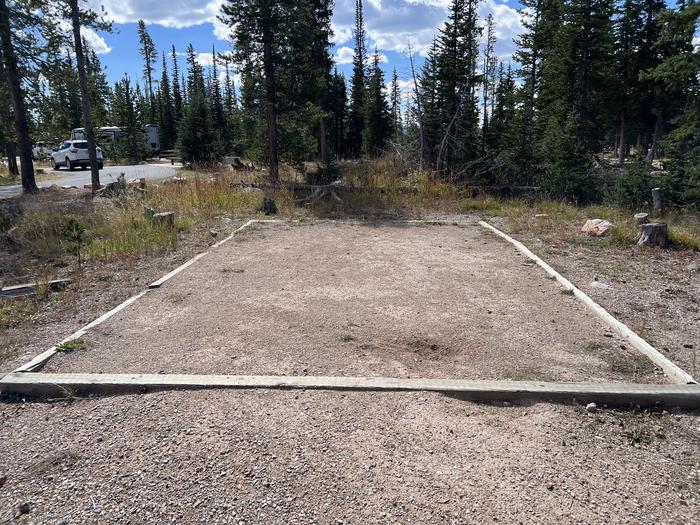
344,55
172,13
205,59
95,41
391,24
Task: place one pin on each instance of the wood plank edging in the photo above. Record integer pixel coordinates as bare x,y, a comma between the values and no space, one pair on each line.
38,362
612,394
671,369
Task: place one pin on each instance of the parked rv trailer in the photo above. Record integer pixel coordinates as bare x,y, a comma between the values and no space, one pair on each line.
113,133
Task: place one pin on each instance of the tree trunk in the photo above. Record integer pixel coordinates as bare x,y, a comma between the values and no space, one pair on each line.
658,127
14,85
622,150
420,112
653,234
85,96
271,98
322,141
11,152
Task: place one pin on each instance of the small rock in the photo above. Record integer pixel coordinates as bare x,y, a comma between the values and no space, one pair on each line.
541,216
23,508
591,407
600,286
214,233
3,480
506,403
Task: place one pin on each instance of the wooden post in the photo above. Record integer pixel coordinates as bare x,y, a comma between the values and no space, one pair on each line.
656,198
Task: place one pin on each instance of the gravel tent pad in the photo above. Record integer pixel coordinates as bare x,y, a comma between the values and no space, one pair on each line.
342,298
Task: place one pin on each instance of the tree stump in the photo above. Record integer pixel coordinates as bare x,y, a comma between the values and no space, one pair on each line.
167,218
268,206
641,218
653,234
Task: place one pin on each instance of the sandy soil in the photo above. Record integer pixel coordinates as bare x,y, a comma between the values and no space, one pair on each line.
349,299
280,457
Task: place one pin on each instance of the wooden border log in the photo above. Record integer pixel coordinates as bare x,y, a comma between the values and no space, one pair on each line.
21,290
611,394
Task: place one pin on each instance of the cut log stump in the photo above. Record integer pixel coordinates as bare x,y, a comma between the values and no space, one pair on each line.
641,218
166,218
653,234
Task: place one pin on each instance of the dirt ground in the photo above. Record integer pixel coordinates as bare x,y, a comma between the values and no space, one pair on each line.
286,457
338,298
655,292
282,457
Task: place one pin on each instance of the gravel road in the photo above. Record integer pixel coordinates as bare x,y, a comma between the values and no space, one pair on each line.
108,174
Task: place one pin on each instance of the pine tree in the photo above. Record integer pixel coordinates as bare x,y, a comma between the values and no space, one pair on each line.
126,115
378,126
356,115
395,102
177,93
489,71
167,123
576,84
196,138
678,71
147,49
338,107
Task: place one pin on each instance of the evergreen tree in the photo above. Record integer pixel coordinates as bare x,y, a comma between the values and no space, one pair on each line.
126,115
395,102
678,72
356,115
489,72
196,138
378,127
177,93
167,123
338,101
147,49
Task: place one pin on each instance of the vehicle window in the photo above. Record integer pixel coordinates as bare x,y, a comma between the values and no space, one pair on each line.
80,145
65,145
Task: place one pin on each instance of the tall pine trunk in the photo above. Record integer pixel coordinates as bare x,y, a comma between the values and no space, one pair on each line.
24,142
622,144
84,95
658,128
270,93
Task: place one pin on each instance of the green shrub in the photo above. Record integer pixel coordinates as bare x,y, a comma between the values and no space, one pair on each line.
632,188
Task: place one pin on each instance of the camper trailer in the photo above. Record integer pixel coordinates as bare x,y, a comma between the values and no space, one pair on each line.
152,138
113,133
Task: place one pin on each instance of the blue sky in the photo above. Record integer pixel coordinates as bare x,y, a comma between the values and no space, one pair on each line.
390,25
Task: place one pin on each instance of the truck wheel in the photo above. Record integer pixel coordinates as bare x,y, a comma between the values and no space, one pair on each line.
100,165
69,165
